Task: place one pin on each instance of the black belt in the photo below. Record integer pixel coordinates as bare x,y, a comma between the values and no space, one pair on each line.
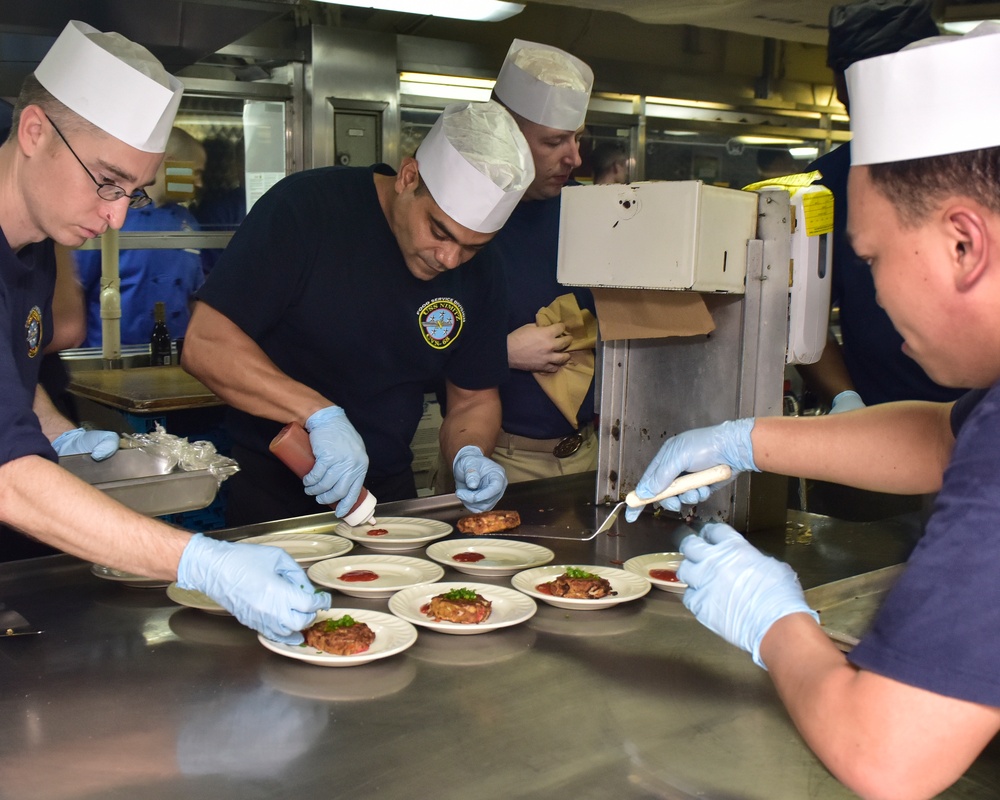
562,447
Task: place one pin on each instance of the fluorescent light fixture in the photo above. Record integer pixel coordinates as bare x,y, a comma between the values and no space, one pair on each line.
965,26
477,10
804,153
447,87
676,101
766,140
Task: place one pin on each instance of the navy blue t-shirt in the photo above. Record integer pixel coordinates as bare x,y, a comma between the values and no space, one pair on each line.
872,348
315,277
528,248
937,629
27,281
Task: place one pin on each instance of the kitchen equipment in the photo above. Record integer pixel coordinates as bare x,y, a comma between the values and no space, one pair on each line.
691,480
13,624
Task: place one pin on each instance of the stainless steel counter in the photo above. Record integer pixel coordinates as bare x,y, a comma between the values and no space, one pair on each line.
127,695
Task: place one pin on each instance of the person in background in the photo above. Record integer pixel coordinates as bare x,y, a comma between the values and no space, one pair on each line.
774,162
89,129
340,298
609,163
170,276
870,367
547,91
915,702
222,201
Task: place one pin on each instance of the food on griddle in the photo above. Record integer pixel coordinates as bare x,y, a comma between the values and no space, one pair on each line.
341,637
489,522
464,606
577,584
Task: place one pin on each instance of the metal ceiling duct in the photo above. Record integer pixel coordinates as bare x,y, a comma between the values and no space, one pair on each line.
178,32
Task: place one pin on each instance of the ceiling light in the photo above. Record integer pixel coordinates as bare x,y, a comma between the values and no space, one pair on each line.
478,10
963,27
768,140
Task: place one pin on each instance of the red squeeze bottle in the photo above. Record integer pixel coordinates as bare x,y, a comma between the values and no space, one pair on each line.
292,446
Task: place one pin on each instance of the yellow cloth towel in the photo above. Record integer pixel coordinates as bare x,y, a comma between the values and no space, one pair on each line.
568,387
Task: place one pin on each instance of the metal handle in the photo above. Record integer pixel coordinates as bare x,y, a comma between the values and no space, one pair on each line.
684,483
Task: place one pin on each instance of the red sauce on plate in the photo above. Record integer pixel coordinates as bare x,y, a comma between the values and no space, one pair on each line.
544,588
468,557
359,575
664,575
425,608
377,532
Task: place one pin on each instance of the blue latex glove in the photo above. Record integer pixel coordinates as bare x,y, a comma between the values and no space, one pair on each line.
261,586
341,460
846,401
735,590
479,481
691,451
99,444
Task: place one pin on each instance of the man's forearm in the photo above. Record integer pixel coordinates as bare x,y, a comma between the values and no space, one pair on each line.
51,505
901,448
472,418
52,422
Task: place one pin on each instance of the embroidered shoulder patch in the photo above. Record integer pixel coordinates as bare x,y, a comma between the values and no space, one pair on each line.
441,321
33,331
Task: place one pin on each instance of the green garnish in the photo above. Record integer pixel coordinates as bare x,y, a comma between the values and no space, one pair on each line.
576,572
345,621
460,594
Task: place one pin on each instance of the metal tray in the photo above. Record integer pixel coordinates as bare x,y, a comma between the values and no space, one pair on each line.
145,483
847,607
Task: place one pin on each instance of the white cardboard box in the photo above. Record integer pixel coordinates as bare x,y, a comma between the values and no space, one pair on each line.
681,235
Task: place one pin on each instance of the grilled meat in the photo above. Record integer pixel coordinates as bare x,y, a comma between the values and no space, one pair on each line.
459,605
489,522
576,584
341,637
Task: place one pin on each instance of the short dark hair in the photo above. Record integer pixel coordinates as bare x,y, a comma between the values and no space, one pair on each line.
34,94
917,186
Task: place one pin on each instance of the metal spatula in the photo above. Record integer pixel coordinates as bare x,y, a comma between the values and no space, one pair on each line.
692,480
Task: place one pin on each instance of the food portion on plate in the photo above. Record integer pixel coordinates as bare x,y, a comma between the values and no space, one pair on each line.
392,534
584,586
344,636
461,612
489,557
389,635
489,522
660,569
464,606
576,583
373,576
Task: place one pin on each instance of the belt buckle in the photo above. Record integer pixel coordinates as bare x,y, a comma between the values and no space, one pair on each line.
568,445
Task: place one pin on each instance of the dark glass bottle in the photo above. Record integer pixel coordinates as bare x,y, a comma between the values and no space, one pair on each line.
160,352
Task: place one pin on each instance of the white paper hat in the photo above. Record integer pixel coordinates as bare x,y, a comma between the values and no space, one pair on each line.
476,164
935,97
545,85
113,83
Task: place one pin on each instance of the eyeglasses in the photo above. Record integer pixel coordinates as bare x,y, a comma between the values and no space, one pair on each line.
107,191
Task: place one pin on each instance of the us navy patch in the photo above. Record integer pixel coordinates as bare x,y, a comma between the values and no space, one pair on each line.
33,331
441,322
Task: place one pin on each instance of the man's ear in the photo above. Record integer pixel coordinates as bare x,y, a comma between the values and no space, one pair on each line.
408,176
970,244
30,127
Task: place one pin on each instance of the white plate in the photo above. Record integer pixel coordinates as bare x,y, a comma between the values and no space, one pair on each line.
305,548
193,599
127,578
628,586
405,533
392,636
641,565
394,573
509,607
502,557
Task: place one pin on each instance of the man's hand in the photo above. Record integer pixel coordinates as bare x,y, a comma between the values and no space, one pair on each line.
538,348
479,481
341,460
735,590
261,586
728,443
99,444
